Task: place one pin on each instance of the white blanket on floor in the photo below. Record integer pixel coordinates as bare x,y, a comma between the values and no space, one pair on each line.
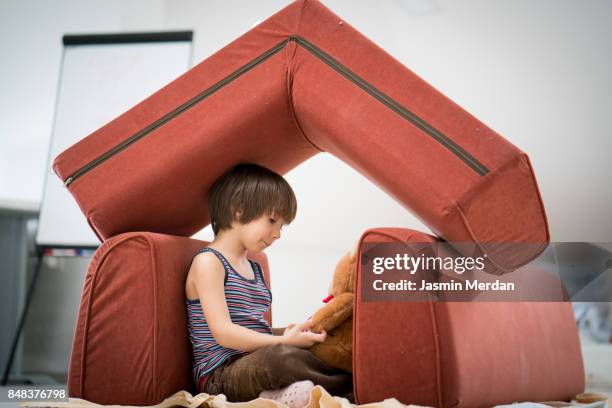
319,398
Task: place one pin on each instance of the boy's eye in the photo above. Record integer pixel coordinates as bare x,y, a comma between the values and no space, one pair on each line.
272,220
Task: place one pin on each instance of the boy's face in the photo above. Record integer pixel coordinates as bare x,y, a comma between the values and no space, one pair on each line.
260,233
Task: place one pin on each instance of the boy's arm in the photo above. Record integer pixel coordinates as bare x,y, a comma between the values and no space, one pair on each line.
209,275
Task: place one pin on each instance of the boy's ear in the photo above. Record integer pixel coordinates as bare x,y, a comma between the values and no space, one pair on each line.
238,215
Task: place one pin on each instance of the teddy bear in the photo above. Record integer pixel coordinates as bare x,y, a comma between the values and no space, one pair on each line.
336,316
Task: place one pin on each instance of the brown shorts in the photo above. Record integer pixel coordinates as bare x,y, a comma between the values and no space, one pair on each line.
272,367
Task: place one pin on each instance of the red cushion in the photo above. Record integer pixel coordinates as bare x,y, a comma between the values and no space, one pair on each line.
131,344
302,82
462,354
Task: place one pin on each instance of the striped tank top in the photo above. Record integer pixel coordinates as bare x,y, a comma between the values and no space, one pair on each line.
247,301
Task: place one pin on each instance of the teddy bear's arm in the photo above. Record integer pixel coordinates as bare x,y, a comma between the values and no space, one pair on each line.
333,313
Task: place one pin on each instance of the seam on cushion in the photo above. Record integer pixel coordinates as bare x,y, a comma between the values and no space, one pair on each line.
466,224
354,359
111,245
94,229
434,325
374,231
99,265
472,235
289,69
492,173
155,305
289,73
540,202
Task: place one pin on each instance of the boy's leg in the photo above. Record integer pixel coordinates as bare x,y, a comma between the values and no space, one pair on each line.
274,367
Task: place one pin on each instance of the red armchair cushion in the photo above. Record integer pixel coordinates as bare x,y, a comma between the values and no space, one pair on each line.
131,344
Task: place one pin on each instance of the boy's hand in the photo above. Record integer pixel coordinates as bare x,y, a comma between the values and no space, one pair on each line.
301,336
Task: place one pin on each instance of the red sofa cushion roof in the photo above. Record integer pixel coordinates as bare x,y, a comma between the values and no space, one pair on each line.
302,82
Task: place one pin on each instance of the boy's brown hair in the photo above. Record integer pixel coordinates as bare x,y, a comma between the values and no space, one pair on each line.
252,189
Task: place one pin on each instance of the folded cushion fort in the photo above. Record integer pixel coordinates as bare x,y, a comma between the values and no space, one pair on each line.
302,82
131,344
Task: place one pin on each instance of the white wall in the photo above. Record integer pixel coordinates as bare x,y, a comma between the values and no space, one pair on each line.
536,72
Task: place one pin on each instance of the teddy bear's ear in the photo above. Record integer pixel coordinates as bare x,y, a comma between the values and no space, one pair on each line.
353,253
